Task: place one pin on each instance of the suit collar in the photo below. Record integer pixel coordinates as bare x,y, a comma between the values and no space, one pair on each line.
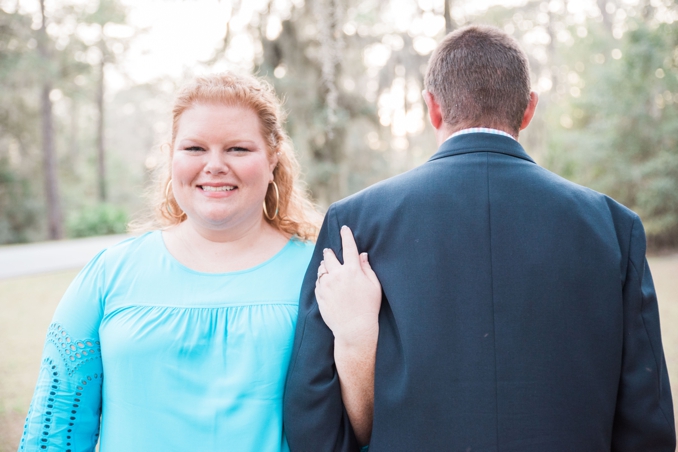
481,142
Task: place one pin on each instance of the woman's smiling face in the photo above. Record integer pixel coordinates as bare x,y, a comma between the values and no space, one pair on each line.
221,167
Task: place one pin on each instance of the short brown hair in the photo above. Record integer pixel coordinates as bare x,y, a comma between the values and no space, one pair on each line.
481,78
296,214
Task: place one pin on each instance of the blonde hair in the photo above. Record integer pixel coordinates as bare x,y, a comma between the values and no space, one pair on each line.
296,213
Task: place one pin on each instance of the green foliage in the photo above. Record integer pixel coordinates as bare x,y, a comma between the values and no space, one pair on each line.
79,35
19,126
18,210
623,139
101,219
332,93
108,11
347,71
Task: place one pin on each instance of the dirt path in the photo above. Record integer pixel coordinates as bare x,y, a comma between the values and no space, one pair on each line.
46,257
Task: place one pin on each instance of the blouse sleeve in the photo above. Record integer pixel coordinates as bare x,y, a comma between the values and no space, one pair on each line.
66,407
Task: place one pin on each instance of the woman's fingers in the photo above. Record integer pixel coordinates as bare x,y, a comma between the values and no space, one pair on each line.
321,271
349,294
330,260
350,252
367,269
350,249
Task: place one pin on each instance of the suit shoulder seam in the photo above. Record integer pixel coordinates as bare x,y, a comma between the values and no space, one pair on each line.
494,327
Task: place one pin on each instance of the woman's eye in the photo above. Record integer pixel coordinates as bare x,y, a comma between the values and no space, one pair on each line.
238,149
193,148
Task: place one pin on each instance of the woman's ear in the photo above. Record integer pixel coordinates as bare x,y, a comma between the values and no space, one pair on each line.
275,158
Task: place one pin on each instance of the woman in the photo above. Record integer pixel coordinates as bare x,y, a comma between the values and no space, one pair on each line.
192,323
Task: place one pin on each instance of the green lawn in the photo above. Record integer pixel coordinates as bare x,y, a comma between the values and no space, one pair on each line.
27,305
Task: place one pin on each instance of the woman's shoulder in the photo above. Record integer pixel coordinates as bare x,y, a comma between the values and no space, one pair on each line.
299,249
291,260
134,248
131,244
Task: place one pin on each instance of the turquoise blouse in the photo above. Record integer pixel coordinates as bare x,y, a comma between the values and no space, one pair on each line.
145,354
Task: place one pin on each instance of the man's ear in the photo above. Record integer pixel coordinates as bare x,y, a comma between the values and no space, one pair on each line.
529,111
435,114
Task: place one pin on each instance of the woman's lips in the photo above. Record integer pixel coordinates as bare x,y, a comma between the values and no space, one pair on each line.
217,191
217,188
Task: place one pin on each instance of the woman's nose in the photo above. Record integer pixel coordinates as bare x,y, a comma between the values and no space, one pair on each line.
215,162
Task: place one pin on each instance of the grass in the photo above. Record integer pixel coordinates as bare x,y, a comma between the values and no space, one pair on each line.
27,305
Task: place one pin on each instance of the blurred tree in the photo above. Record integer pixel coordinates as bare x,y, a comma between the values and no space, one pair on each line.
621,135
50,66
99,219
604,13
108,12
447,14
53,200
19,123
138,121
18,208
306,61
607,116
351,73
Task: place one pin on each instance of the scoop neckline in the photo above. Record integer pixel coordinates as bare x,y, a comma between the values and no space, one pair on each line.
183,267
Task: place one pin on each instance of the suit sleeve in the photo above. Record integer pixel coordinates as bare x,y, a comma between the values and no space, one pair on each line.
644,413
314,415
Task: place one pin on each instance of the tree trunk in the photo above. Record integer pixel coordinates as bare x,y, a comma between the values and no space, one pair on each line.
75,131
607,20
52,199
552,53
449,25
101,152
647,10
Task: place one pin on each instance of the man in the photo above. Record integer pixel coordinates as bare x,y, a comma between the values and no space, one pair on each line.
518,310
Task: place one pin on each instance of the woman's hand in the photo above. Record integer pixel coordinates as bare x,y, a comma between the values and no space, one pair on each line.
349,295
349,298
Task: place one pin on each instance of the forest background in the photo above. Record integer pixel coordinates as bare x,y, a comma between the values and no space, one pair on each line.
85,110
80,137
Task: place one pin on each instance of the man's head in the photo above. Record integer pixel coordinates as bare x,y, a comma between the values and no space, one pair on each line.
480,77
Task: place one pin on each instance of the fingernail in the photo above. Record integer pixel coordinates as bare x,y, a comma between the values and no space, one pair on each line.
325,250
344,227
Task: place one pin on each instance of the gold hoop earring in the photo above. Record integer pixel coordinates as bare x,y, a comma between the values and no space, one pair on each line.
277,202
167,202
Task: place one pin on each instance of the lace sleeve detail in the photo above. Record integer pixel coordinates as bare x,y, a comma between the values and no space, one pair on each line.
66,406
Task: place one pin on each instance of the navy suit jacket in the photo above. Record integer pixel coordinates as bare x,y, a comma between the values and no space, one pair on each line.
518,315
